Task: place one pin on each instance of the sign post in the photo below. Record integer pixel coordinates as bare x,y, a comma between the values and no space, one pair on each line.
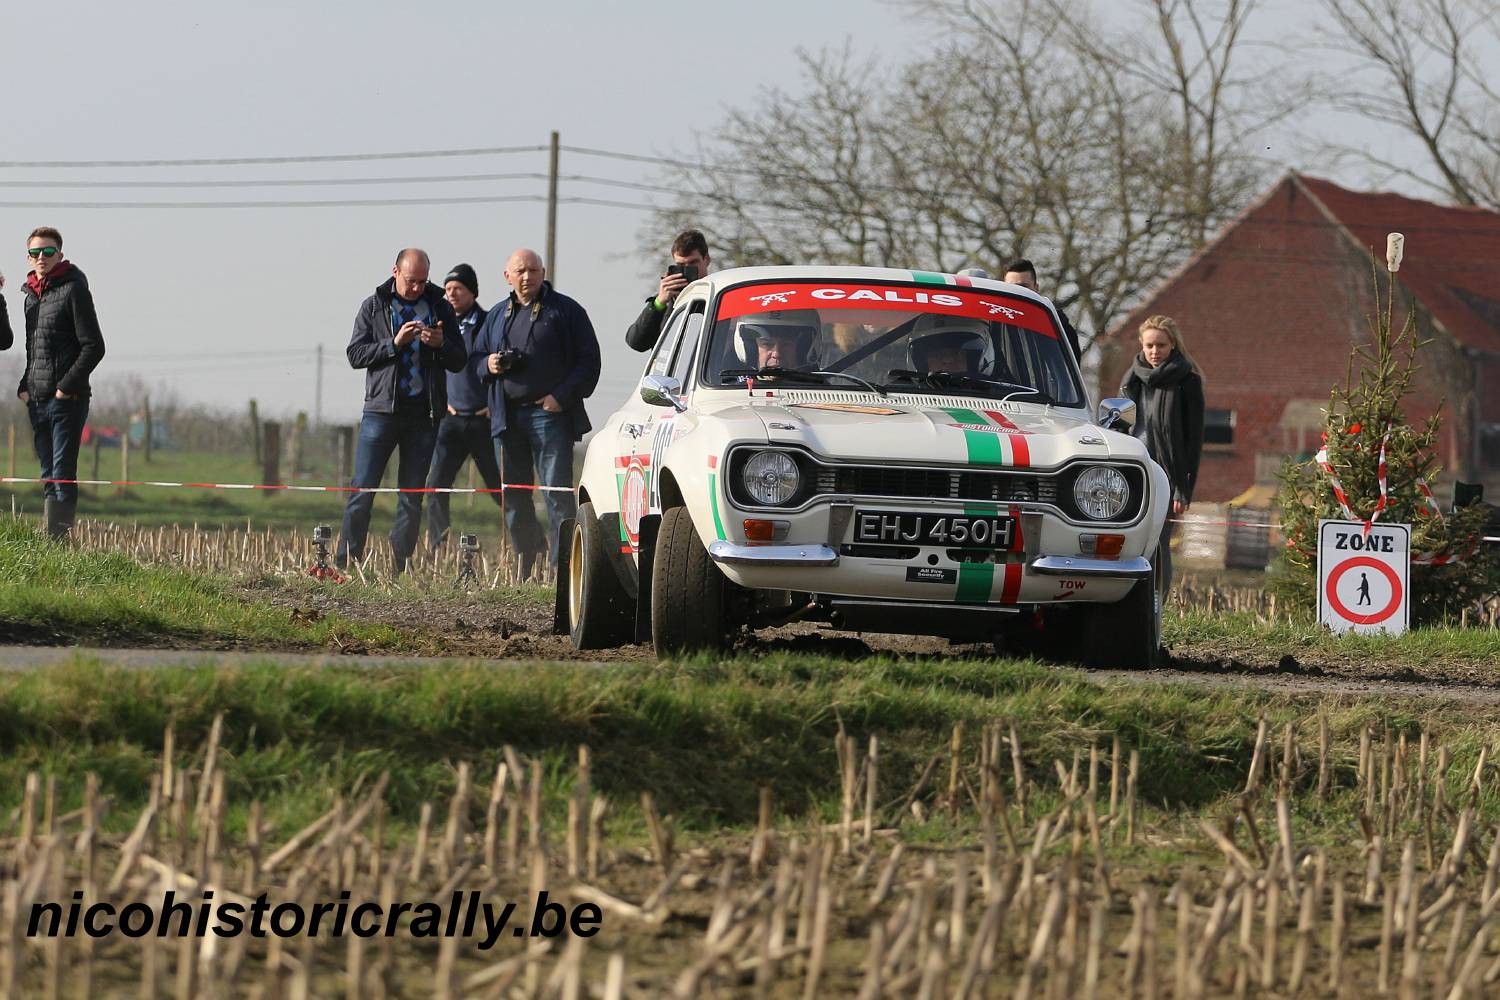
1363,577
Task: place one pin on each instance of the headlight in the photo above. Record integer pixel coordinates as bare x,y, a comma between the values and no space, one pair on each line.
1101,493
771,477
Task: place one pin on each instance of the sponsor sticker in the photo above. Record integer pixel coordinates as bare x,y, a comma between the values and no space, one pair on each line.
930,574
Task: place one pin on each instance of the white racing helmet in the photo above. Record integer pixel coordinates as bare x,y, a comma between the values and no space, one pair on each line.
933,333
803,325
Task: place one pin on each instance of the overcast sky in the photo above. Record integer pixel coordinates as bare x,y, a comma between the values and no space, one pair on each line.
224,304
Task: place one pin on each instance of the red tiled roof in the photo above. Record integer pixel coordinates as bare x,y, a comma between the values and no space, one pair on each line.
1452,260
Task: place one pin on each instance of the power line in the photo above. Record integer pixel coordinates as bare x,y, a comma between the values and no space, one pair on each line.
289,182
247,160
341,203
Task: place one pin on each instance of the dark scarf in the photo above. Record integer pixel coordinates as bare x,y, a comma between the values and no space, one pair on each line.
40,285
1159,401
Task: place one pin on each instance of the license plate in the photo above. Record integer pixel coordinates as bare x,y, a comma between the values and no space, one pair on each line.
963,531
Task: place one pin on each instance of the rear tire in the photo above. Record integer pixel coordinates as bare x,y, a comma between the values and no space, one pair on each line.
600,614
687,590
1125,635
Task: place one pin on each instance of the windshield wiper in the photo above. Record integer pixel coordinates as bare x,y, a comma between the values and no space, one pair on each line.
796,374
960,380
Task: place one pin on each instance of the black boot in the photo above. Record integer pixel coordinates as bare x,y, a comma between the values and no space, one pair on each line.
58,515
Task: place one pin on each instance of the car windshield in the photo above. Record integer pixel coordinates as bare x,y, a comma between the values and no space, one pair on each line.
894,338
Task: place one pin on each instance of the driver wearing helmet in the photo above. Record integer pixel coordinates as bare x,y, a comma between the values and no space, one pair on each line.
781,339
947,344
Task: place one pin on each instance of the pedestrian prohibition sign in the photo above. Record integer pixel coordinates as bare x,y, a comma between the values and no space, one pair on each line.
1362,576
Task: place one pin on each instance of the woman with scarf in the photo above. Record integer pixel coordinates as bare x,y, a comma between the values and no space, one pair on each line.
1167,388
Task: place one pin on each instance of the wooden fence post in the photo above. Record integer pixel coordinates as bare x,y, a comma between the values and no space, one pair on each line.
147,418
255,430
10,444
124,462
98,441
294,447
271,454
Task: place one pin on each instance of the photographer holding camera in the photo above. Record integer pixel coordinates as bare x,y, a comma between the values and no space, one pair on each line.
406,337
689,263
539,358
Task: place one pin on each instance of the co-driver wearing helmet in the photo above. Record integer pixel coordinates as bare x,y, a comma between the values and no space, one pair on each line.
781,339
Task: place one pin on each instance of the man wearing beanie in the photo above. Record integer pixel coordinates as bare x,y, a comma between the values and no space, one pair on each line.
465,429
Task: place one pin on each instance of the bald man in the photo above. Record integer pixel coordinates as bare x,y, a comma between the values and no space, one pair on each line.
406,339
539,359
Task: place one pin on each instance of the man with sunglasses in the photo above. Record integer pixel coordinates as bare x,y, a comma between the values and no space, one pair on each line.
63,346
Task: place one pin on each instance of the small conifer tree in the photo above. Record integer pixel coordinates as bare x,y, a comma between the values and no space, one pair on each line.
1450,569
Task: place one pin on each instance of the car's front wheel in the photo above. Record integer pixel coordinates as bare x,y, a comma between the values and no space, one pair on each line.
687,590
1125,635
600,614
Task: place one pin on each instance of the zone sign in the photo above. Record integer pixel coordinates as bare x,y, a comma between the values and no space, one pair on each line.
1363,576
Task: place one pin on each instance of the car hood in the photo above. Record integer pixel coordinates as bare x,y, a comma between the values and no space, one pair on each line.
941,429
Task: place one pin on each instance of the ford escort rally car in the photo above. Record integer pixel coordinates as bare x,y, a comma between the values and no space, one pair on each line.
873,449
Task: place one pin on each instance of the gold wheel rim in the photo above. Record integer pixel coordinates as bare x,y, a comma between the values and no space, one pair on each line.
575,578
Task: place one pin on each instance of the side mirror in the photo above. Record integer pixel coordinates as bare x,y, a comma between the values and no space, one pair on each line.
1116,412
663,390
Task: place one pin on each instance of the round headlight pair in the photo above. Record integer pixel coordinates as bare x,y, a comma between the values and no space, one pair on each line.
771,477
1101,493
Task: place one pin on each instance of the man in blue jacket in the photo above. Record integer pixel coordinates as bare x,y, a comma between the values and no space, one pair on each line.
405,337
539,357
465,430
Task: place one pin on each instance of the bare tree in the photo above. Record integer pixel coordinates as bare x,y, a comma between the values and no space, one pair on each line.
1012,139
1422,72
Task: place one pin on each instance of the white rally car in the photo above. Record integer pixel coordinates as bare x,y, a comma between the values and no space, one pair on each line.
874,449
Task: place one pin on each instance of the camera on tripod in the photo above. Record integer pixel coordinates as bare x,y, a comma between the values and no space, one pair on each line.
468,543
322,535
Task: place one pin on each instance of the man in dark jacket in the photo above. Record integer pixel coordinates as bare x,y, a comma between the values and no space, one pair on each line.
405,336
539,357
63,346
6,337
1022,272
689,257
465,428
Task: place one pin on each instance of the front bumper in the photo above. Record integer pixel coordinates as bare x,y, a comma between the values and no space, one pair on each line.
1138,568
729,554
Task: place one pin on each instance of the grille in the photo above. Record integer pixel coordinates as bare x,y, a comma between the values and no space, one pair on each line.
885,481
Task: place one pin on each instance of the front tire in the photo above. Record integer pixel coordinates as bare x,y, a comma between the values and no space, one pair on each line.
600,614
1125,635
687,590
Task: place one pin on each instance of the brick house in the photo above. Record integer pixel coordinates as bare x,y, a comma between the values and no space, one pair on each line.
1271,307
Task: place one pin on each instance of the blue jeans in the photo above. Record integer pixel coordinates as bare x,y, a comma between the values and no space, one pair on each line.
535,437
411,433
57,429
458,438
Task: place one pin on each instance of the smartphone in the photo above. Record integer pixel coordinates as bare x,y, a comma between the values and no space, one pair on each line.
689,272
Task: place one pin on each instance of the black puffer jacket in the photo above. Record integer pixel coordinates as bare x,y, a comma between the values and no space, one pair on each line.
1169,417
6,337
63,341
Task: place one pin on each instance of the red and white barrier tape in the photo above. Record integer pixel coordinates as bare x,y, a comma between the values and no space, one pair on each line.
1201,521
289,488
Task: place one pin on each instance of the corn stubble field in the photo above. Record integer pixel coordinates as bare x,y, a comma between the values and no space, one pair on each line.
1337,870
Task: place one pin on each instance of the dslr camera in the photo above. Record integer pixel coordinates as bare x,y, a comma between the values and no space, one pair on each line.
512,360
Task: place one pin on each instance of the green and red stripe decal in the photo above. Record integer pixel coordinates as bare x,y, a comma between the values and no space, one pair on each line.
1005,446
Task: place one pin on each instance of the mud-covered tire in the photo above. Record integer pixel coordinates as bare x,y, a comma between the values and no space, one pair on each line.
687,590
1125,635
601,615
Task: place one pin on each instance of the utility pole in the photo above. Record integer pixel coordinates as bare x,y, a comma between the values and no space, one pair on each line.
318,393
551,262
